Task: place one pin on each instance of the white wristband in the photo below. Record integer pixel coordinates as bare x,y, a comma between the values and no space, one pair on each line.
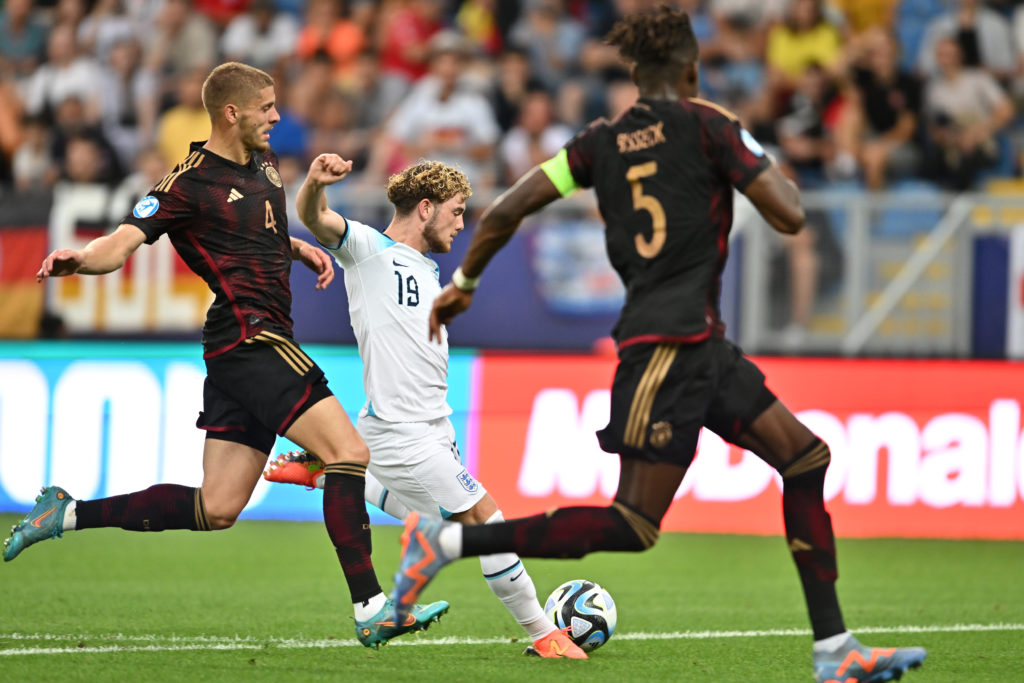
466,284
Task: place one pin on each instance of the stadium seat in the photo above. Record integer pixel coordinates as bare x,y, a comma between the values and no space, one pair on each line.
1005,216
838,216
912,17
1006,164
902,222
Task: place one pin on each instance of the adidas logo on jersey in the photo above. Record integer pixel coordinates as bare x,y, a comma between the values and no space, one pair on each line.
234,195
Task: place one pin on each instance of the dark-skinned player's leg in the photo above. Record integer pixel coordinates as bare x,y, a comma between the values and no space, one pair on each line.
785,443
746,413
778,438
630,523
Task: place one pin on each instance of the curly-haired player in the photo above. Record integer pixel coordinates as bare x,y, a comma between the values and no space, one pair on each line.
414,461
664,174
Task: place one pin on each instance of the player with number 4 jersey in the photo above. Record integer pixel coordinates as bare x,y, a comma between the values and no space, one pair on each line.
223,208
228,222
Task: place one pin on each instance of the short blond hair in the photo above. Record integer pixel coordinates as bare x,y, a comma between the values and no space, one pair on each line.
431,180
233,83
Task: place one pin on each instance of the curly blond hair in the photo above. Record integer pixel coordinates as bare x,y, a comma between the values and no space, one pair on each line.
426,180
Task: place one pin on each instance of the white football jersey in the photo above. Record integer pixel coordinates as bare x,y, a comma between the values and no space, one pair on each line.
391,288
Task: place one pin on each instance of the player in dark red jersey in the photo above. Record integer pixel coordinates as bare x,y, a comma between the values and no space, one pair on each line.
664,174
223,209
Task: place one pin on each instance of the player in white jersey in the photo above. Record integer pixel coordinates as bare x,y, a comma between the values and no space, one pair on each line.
391,285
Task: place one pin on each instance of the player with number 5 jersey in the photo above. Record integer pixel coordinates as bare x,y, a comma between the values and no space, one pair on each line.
664,174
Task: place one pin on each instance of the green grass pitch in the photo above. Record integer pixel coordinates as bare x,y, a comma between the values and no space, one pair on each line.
266,601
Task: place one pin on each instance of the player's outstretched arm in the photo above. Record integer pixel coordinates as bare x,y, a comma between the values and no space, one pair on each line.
497,225
102,255
314,259
328,226
778,200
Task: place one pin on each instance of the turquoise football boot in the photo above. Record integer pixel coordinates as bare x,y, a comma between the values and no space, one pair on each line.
45,520
382,627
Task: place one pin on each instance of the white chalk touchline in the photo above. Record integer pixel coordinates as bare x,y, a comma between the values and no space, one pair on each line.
171,643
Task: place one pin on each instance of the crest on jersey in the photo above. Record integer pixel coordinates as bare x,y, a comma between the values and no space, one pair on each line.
661,434
751,144
273,176
467,481
146,207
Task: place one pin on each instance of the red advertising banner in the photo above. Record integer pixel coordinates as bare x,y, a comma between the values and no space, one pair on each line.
919,448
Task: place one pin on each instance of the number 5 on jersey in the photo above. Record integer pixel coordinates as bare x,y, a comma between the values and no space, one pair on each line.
650,204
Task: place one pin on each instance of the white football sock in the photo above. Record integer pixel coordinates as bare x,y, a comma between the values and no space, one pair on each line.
367,610
832,643
70,516
375,494
507,578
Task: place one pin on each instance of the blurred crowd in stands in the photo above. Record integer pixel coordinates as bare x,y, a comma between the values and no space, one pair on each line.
861,91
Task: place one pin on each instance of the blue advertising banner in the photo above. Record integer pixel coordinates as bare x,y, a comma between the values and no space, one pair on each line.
105,418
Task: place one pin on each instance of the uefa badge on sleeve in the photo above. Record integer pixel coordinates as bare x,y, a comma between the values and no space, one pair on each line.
750,143
146,207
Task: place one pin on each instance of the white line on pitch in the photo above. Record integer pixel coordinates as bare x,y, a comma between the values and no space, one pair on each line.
182,643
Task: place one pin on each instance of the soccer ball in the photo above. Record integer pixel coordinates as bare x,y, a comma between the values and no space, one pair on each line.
587,609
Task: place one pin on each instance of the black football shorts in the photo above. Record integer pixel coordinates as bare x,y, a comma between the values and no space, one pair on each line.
663,394
258,389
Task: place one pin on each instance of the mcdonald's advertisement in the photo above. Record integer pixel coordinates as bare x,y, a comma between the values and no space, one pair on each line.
921,448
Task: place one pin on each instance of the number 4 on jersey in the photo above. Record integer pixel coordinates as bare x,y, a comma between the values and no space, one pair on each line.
269,222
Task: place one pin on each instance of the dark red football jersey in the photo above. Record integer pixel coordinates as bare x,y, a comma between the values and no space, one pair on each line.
664,174
229,223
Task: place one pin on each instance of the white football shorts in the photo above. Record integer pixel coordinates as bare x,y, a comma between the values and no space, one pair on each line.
420,464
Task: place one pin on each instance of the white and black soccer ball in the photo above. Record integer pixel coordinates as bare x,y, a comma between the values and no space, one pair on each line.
586,609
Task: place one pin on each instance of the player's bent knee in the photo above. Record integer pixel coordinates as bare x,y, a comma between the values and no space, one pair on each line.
356,453
810,463
216,515
645,533
220,523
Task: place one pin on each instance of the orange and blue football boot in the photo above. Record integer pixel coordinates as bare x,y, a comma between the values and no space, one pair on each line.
856,663
421,560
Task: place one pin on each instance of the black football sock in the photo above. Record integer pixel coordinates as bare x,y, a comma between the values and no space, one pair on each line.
348,525
164,506
565,532
810,538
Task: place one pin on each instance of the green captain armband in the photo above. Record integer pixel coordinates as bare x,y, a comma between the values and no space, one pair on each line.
557,170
